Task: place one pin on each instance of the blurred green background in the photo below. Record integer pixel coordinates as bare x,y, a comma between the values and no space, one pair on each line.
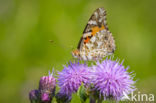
26,26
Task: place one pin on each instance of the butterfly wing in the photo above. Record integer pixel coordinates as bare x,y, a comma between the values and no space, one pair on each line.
96,41
97,19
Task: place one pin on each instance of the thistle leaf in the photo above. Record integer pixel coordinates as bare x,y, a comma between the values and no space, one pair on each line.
82,93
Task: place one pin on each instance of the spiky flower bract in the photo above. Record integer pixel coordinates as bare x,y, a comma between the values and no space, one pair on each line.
63,98
111,79
47,87
72,76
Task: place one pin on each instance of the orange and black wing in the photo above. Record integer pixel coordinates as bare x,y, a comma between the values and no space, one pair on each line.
96,23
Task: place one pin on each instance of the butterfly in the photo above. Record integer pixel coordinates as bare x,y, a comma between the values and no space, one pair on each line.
97,41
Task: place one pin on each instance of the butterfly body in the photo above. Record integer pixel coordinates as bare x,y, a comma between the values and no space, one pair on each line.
97,41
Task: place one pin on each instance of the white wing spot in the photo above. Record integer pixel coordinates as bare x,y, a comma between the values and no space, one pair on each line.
101,11
86,34
105,22
89,45
93,39
84,58
99,44
92,22
89,57
102,18
99,34
103,31
96,14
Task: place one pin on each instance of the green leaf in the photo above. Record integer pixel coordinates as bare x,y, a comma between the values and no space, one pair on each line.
82,93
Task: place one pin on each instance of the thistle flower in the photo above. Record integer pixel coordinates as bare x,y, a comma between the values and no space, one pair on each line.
111,80
47,88
71,77
34,96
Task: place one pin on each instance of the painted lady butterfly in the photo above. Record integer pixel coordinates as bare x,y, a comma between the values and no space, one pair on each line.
97,41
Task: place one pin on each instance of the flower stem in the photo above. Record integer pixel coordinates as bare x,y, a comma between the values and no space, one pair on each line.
99,101
92,100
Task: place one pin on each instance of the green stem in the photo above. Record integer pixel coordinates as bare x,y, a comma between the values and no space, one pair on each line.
92,100
99,101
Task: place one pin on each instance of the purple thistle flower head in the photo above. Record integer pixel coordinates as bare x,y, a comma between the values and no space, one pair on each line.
47,87
45,97
34,95
71,77
111,80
